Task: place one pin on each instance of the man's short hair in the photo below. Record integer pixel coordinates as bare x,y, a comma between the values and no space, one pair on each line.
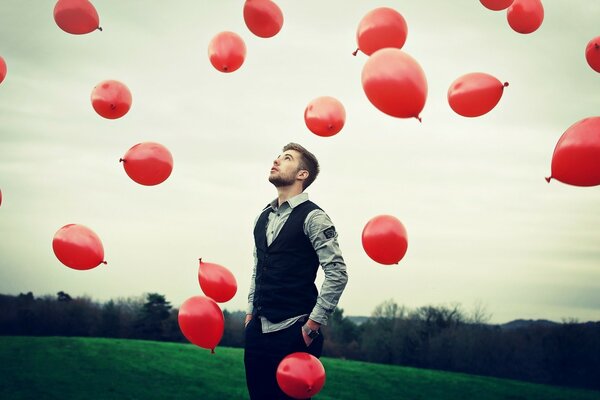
308,162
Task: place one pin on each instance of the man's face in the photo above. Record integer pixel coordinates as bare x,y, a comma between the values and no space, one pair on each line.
285,168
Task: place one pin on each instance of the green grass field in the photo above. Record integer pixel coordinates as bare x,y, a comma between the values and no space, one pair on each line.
90,368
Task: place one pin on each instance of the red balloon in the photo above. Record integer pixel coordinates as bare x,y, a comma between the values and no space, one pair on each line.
2,69
201,322
576,158
525,16
76,16
380,28
395,83
263,17
227,51
148,163
111,99
325,116
496,5
0,197
300,375
592,54
217,282
475,94
385,240
78,247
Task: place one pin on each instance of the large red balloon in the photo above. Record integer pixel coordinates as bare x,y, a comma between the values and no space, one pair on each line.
496,5
2,69
300,375
263,17
525,16
385,240
395,83
475,94
325,116
111,99
592,54
148,163
380,28
78,247
201,322
216,281
576,158
227,51
76,16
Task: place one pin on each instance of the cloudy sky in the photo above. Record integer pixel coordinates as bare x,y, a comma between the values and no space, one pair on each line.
483,224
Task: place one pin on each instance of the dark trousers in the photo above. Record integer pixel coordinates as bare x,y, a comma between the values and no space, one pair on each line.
264,351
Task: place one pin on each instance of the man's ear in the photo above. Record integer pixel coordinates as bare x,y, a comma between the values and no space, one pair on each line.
302,174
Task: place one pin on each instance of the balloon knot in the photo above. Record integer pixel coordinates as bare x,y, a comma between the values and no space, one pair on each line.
355,52
200,259
419,119
121,160
104,262
212,351
100,28
505,84
548,179
224,69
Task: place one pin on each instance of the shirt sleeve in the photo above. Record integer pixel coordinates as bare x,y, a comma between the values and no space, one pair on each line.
324,238
250,307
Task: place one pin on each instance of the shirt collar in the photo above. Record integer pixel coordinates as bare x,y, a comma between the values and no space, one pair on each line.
293,202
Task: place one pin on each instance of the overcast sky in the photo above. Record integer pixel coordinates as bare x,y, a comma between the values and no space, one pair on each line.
483,224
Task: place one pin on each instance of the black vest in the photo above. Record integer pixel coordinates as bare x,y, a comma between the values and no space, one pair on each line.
285,270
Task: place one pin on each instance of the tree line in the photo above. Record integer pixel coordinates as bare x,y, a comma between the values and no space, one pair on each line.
433,337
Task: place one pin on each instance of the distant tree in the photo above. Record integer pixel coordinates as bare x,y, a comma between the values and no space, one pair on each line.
341,336
62,296
110,320
233,334
152,318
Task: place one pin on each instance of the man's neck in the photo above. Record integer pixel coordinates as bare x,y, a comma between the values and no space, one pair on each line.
284,193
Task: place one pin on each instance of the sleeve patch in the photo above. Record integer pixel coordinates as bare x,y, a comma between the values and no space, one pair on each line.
329,232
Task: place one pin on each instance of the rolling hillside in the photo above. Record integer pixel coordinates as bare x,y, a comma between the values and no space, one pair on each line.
90,368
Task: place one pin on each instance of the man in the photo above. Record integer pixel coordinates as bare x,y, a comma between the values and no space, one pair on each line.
292,237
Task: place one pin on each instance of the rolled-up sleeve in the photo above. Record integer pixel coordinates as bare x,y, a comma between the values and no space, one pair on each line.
324,238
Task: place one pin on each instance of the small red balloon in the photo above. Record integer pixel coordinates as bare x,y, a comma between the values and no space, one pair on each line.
3,69
592,54
227,51
576,158
496,5
216,281
78,247
77,17
148,163
0,197
325,116
525,16
201,321
380,28
385,240
475,94
300,375
111,99
263,17
395,83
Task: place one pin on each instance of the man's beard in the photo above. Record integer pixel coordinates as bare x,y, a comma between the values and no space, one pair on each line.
280,181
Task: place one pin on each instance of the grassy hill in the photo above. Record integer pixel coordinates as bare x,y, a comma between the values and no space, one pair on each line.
91,368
